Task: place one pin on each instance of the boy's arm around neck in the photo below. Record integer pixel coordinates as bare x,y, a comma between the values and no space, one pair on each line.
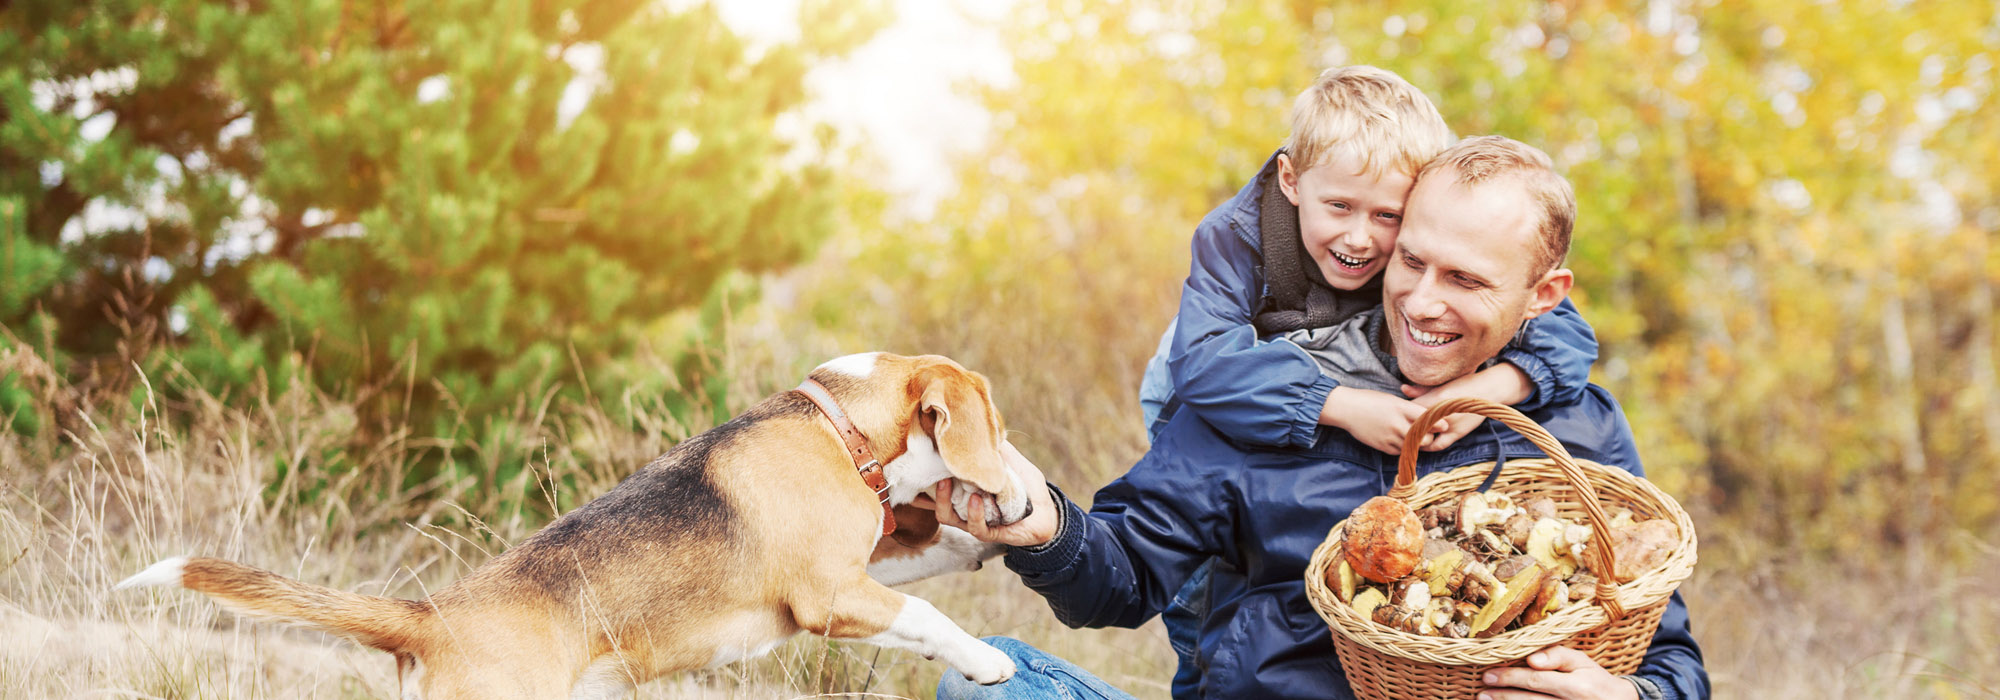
1556,350
1255,392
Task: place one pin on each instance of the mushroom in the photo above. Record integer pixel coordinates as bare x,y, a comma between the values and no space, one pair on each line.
1443,572
1477,510
1512,566
1458,574
1342,580
1498,612
1465,611
1383,540
1642,546
1548,546
1553,596
1416,596
1442,516
1400,618
1368,600
1582,587
1540,507
1518,528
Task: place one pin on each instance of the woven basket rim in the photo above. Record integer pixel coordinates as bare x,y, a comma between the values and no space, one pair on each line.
1649,588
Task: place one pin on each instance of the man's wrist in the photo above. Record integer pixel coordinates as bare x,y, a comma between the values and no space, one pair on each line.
1061,506
1646,689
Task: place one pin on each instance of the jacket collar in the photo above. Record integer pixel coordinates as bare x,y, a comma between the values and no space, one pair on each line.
1243,209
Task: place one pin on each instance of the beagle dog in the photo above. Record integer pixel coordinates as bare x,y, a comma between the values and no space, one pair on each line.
719,550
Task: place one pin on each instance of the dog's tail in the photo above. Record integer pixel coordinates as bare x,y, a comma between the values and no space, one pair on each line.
389,624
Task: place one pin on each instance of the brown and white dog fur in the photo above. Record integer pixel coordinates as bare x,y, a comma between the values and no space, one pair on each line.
717,551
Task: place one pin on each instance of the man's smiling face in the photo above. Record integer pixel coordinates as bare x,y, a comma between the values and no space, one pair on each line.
1461,280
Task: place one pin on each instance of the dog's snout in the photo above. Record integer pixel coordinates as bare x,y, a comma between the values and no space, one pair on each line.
1007,515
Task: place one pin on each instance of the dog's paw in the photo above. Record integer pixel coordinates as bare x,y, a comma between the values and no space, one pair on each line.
986,665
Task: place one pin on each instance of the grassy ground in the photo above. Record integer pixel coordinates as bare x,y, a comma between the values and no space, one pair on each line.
1897,622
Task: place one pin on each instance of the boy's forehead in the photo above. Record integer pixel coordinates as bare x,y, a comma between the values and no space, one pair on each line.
1350,160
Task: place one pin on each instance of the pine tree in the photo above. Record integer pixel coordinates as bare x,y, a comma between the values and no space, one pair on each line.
483,194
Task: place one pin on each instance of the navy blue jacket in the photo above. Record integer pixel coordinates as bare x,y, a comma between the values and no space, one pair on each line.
1260,512
1270,393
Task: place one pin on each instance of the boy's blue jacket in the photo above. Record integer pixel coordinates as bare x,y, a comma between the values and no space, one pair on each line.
1260,512
1270,393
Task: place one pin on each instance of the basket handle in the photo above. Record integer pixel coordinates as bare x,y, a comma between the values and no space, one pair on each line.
1603,562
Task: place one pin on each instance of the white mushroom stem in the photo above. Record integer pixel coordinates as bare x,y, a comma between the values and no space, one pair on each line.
1417,596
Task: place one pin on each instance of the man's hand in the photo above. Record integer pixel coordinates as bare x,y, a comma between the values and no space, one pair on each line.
1556,672
1502,383
1036,529
1378,420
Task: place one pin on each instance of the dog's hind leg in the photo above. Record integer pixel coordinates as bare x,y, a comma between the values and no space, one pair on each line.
866,611
409,677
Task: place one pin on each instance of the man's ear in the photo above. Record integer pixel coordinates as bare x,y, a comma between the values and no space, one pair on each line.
1550,291
1288,178
958,418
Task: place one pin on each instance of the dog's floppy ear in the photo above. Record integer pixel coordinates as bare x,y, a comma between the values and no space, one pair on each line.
915,527
952,406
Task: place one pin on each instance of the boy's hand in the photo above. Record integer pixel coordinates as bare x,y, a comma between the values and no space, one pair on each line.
1556,672
1038,528
1378,420
1503,383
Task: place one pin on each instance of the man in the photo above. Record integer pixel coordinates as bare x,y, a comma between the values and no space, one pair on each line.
1480,253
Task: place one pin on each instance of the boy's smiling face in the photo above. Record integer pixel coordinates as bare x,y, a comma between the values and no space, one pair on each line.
1347,219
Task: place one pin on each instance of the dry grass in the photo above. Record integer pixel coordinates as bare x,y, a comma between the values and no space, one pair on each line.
83,511
1892,626
128,490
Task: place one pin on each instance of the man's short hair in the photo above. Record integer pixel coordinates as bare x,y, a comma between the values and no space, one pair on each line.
1486,158
1369,113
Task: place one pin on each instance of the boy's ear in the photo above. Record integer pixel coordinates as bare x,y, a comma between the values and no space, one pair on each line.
1550,290
1288,178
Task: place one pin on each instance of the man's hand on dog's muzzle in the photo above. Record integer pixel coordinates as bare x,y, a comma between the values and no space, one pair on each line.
1037,528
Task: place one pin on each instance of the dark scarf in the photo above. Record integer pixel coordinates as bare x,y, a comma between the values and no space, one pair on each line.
1297,295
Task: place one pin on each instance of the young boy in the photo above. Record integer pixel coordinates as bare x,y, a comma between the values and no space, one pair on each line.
1282,267
1307,253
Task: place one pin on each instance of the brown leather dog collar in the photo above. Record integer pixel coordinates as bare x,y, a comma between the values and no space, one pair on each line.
857,447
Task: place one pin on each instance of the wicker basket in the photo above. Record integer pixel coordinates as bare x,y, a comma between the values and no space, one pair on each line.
1383,663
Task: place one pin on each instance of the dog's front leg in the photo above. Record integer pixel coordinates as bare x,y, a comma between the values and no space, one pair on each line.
955,550
867,611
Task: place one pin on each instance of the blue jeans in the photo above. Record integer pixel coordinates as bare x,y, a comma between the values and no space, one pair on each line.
1038,675
1183,619
1156,385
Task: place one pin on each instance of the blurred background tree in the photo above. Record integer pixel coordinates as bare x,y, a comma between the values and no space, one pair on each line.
1787,210
470,202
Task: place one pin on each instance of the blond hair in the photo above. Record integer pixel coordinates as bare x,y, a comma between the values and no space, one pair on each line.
1487,158
1367,113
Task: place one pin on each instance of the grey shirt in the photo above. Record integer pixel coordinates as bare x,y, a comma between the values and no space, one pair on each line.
1350,352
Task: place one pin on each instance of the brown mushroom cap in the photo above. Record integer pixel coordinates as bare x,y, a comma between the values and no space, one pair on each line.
1522,590
1642,546
1384,540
